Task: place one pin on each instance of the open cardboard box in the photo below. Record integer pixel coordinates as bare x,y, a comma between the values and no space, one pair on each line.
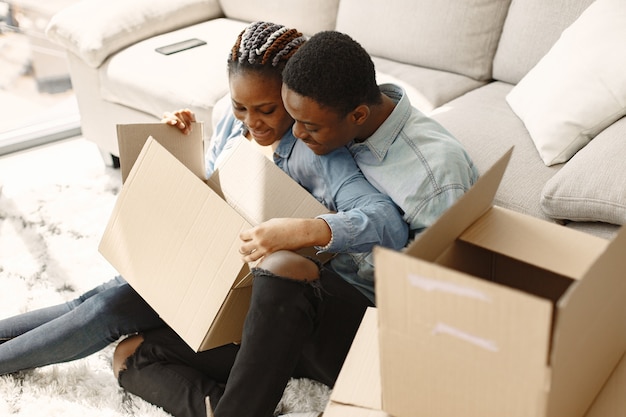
495,313
175,237
358,391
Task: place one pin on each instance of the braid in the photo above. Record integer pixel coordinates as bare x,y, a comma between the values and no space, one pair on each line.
263,43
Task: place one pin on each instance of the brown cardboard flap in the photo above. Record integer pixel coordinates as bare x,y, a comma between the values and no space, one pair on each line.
168,224
491,266
546,245
590,323
245,277
462,214
228,325
188,149
611,402
358,382
258,189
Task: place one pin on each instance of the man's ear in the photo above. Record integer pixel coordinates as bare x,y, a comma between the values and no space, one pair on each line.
360,114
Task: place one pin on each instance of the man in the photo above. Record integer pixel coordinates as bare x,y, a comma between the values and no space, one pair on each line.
329,88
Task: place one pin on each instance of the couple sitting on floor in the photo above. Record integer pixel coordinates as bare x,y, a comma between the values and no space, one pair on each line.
385,171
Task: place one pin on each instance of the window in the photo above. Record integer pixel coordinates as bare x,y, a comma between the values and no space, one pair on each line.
37,104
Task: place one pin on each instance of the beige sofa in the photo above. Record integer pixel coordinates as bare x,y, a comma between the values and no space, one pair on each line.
496,73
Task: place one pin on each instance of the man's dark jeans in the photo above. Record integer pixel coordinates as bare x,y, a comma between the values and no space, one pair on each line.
293,329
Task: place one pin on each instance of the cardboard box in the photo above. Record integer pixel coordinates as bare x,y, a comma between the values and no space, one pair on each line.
175,237
495,313
611,402
358,393
188,149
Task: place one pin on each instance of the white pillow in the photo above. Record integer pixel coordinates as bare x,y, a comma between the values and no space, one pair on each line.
93,29
579,87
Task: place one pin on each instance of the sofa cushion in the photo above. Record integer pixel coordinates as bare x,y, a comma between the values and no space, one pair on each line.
530,29
307,16
140,78
579,87
455,36
427,88
487,127
94,31
592,185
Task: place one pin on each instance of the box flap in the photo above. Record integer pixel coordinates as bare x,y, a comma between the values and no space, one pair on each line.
175,241
228,325
462,214
590,323
611,402
189,149
546,245
258,189
358,382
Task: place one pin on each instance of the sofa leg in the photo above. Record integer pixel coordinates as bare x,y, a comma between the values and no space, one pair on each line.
115,161
109,159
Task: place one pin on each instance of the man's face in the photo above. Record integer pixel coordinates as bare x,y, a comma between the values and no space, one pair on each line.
322,129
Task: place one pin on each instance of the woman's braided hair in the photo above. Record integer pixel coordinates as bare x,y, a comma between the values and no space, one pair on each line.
264,45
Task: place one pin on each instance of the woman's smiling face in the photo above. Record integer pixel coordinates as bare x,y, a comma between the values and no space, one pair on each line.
257,102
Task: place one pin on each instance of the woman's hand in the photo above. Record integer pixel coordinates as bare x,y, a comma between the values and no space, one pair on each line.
181,119
283,234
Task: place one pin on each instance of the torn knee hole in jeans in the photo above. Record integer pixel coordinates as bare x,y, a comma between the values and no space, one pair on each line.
128,361
315,284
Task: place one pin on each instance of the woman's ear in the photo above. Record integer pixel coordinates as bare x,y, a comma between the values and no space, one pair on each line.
359,115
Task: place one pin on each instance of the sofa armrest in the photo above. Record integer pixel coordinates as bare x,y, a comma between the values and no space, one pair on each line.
95,29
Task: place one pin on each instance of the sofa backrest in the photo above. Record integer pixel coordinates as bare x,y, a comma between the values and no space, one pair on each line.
307,16
530,29
454,36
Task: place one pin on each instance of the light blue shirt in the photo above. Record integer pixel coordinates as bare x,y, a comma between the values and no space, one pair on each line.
419,164
415,161
364,217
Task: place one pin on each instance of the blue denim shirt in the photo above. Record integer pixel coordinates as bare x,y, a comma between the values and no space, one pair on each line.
416,162
364,217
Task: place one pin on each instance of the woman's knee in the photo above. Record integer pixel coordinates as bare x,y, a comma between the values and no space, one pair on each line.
290,265
123,351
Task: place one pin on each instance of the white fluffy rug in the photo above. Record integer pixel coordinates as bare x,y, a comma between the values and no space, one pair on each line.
54,204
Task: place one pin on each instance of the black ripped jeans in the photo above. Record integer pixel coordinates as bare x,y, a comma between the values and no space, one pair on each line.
292,329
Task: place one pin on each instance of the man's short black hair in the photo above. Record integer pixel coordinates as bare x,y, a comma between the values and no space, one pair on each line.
335,71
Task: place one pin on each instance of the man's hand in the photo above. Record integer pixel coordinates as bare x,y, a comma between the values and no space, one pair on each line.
283,234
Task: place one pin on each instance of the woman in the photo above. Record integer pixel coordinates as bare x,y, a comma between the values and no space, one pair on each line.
101,316
297,327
